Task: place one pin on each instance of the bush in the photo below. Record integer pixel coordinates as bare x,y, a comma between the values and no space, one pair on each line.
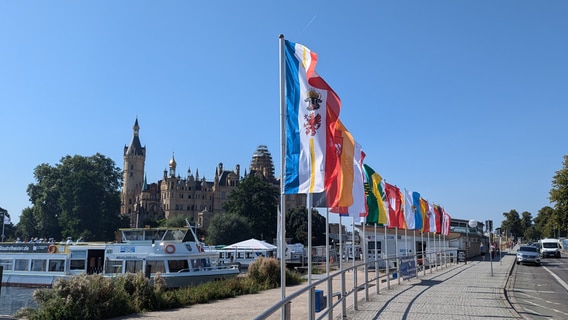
266,272
97,297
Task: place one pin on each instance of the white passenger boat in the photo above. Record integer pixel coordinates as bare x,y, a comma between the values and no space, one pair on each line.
172,252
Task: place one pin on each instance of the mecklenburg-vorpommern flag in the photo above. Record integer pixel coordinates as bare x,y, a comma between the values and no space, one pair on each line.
312,112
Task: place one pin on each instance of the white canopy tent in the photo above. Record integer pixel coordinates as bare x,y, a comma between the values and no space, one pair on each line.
251,244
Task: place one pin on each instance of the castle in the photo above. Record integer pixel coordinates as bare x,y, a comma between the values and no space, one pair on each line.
191,196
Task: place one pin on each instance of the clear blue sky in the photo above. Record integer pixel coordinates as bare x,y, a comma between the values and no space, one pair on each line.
463,102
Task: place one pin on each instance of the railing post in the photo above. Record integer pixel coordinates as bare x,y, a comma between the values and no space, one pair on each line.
1,272
286,311
312,304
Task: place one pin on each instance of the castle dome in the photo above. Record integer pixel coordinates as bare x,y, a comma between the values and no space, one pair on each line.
173,163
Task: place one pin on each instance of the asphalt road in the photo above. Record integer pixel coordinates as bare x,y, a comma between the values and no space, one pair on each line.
539,292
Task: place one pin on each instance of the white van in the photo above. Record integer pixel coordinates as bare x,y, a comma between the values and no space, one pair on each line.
550,248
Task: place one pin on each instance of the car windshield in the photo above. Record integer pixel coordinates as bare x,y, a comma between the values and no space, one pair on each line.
550,245
531,249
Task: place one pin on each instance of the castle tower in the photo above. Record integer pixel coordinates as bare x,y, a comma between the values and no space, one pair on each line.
262,162
133,176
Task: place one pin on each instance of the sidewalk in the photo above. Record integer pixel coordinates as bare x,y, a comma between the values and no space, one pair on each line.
463,292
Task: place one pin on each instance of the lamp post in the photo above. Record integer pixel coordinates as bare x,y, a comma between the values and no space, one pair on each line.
471,224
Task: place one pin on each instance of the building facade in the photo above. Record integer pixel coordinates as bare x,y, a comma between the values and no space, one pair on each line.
189,196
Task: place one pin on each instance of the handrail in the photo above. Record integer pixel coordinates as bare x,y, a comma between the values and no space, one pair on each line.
342,296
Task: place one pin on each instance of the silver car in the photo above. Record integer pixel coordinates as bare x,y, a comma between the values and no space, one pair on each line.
528,254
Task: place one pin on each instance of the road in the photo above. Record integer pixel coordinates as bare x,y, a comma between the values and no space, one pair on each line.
539,292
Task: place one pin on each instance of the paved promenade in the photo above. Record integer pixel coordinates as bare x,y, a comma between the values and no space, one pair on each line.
467,291
462,291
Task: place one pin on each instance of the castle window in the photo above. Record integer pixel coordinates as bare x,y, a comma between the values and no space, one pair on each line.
131,174
131,167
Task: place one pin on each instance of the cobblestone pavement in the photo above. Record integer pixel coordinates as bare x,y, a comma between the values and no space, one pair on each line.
475,290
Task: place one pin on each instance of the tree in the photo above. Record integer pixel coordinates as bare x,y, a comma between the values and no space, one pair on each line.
559,196
297,226
512,223
228,228
256,200
526,224
26,228
544,222
78,197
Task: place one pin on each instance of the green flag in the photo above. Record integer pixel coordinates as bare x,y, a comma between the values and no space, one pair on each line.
375,194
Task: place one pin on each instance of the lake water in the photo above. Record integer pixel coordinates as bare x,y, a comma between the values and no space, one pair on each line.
14,298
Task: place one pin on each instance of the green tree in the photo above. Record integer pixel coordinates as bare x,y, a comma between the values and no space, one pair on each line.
512,223
527,225
297,226
78,197
544,222
26,228
256,200
227,229
559,196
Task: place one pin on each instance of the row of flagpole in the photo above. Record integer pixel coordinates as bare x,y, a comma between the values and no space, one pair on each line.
305,169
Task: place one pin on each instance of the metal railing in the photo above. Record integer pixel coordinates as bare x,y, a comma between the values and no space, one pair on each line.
323,305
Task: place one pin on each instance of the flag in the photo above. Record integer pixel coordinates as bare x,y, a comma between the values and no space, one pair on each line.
438,218
339,193
393,201
424,207
409,210
7,220
312,109
417,210
373,189
445,222
359,207
432,218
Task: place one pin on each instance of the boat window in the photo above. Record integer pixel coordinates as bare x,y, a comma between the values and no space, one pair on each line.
21,265
79,254
133,266
178,265
56,265
174,235
113,266
39,264
156,266
197,264
7,264
77,265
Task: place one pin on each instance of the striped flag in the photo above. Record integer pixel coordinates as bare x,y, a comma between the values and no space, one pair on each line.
312,112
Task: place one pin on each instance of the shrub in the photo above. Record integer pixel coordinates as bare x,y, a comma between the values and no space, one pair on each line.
266,272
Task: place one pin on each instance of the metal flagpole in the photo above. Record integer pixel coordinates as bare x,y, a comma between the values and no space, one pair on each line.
286,308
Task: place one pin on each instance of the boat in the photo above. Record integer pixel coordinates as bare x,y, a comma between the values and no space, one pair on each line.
170,252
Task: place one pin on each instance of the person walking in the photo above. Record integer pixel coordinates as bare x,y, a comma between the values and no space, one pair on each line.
482,250
493,250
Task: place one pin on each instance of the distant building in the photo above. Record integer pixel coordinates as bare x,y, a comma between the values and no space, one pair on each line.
192,196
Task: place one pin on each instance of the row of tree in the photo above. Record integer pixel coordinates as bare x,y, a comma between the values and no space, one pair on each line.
550,222
80,197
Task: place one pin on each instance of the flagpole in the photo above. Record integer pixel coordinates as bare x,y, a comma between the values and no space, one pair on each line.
282,71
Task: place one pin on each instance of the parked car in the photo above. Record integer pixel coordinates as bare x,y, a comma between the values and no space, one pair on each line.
528,254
